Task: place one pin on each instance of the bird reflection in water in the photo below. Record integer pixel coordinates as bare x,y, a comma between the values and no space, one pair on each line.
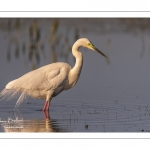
41,125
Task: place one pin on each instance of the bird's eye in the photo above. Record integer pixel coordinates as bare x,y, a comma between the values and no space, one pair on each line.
90,44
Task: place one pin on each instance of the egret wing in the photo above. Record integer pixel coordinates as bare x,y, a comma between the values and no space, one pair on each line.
44,78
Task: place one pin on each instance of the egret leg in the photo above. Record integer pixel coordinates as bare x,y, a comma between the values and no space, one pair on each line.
47,103
46,106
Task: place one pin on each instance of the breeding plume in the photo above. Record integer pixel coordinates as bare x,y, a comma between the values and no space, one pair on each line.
50,80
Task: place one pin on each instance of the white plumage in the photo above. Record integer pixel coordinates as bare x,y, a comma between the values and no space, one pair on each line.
50,80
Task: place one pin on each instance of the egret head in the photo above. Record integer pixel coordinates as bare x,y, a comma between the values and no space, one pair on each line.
88,44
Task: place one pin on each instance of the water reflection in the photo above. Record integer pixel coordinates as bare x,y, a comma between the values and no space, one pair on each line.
13,30
34,39
33,36
34,125
119,113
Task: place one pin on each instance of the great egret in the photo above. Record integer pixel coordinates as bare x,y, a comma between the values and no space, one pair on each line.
50,80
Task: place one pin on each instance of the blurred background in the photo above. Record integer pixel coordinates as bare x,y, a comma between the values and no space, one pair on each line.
107,98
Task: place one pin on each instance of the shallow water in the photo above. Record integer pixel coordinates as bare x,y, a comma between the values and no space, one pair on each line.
107,98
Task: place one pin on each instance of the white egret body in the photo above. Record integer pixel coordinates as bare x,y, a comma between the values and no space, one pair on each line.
50,80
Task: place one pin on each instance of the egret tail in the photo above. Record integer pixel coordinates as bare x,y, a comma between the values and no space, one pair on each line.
10,93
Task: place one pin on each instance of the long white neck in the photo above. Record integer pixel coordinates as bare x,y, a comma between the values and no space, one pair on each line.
76,70
79,58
